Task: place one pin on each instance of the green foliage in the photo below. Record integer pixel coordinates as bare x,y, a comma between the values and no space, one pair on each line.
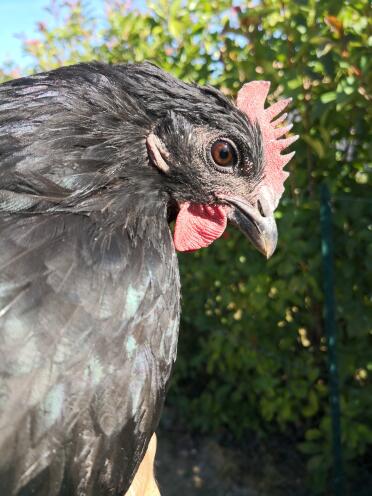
252,348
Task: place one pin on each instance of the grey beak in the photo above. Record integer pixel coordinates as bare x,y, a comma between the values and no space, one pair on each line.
256,222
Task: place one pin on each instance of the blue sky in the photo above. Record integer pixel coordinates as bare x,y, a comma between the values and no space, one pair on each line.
21,16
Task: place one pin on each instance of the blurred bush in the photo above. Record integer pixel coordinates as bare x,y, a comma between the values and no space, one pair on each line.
252,348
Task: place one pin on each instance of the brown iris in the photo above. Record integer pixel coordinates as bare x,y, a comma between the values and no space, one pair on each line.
223,153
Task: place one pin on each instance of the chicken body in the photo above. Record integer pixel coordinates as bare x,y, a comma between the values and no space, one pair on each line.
95,160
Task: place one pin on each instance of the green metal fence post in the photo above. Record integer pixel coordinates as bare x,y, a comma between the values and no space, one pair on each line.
330,329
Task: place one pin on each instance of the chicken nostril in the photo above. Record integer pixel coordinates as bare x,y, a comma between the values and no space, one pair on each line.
260,209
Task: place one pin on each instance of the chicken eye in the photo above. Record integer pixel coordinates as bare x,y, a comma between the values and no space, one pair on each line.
223,153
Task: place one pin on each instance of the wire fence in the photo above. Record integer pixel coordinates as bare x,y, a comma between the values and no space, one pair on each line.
331,334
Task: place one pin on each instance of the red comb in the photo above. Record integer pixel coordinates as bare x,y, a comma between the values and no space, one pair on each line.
251,101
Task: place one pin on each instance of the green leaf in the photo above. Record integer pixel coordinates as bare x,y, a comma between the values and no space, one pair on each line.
315,144
328,97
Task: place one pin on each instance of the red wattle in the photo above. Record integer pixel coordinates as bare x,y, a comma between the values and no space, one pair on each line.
197,226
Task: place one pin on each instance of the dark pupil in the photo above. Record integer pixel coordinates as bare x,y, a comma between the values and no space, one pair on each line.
225,152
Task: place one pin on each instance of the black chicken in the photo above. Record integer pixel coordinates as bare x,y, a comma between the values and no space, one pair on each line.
95,161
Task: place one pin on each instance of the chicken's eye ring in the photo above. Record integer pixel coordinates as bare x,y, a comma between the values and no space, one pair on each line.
224,155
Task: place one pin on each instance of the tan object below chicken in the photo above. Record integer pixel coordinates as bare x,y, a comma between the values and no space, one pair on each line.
144,482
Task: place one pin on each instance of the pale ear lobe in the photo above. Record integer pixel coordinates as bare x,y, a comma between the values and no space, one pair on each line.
158,152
